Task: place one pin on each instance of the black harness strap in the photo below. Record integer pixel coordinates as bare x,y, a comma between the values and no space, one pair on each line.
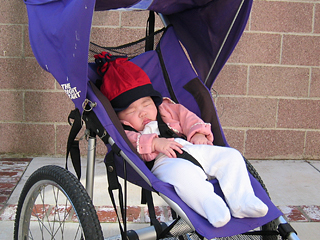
150,31
92,124
72,144
147,198
115,185
166,132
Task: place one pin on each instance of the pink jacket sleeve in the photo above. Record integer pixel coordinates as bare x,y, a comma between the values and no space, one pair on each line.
180,118
143,144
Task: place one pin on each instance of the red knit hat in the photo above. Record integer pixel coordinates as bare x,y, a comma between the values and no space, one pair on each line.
124,82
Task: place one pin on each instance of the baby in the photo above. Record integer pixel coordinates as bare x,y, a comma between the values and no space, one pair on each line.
137,105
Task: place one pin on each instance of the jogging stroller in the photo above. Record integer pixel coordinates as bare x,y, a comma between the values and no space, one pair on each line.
201,32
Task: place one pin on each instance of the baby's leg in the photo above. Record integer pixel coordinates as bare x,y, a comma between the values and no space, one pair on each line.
228,166
191,186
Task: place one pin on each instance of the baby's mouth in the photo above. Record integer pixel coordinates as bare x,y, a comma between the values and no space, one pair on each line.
146,121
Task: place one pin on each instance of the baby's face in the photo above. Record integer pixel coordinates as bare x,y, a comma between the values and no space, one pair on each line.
139,113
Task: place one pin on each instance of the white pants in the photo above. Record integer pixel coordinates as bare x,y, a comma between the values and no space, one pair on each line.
190,182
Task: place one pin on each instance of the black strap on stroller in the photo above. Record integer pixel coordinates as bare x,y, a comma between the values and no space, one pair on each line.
73,144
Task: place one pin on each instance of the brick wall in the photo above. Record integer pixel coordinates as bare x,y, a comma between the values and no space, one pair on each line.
269,90
268,93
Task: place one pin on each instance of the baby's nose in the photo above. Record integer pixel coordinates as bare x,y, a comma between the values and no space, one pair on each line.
143,113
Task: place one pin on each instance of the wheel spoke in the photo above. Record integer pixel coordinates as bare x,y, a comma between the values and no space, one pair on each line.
48,206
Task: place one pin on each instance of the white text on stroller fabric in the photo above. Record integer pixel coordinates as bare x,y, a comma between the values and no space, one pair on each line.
72,92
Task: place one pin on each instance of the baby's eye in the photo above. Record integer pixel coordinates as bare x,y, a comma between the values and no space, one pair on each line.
129,112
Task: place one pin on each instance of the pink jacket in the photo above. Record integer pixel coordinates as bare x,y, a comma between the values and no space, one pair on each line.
179,119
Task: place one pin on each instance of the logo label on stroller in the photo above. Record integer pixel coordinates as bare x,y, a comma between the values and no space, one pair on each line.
72,92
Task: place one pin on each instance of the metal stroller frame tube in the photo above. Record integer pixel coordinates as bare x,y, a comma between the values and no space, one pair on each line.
90,165
127,159
224,41
164,20
291,235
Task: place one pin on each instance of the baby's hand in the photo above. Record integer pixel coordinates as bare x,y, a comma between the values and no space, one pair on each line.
200,138
167,146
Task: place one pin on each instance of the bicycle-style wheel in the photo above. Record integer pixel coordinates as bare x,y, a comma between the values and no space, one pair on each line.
54,205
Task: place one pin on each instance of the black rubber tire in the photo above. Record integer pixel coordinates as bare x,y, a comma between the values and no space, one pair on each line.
77,208
271,226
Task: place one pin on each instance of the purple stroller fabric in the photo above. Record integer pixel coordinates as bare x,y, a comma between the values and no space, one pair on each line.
59,32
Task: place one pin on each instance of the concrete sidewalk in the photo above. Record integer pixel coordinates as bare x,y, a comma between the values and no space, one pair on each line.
293,186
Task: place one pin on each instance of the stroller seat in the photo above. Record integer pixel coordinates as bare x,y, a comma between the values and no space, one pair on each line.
174,63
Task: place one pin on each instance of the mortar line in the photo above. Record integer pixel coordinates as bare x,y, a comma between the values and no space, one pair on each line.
313,17
310,80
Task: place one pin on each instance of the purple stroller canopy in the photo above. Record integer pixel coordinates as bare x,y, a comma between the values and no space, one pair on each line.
59,34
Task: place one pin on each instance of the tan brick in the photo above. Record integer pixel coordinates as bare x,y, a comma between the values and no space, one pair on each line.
27,47
128,35
274,144
47,106
315,83
10,40
281,16
138,19
13,11
62,133
317,18
278,81
134,19
232,80
235,139
101,148
257,48
31,139
98,36
247,112
120,36
24,74
12,109
106,18
301,50
312,150
299,114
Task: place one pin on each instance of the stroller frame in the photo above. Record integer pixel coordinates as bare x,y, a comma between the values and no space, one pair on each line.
149,233
26,201
280,224
79,200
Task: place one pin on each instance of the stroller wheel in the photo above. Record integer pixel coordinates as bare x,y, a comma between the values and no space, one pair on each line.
271,226
54,205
